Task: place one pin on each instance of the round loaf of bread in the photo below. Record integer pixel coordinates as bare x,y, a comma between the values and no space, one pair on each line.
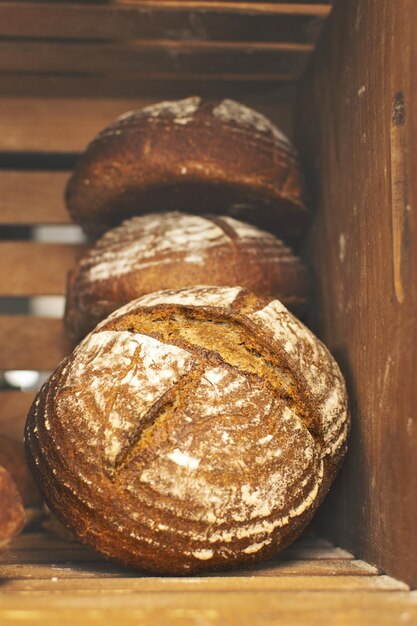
194,156
176,250
192,430
12,458
12,513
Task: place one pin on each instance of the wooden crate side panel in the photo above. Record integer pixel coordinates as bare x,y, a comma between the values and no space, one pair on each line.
358,137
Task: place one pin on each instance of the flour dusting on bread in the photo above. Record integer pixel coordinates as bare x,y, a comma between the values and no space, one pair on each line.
232,111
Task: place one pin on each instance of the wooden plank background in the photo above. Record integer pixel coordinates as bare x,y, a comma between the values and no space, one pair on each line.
142,59
65,126
358,135
164,19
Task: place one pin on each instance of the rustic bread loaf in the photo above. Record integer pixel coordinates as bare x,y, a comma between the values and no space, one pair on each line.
12,458
12,513
192,430
175,250
194,156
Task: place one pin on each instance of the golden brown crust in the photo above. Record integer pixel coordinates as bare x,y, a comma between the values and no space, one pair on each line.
193,430
176,250
194,156
12,514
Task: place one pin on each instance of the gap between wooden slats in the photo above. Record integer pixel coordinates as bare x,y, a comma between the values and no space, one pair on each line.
66,125
34,268
159,19
145,59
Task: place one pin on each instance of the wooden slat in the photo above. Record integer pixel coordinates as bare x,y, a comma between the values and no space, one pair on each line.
14,406
231,608
32,343
118,586
144,59
361,154
33,268
32,197
59,580
112,570
159,19
66,125
48,86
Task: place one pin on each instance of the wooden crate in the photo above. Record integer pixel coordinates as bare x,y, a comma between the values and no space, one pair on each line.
69,68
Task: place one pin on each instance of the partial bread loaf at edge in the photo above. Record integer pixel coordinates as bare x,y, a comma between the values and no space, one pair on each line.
176,250
12,458
193,430
12,513
190,155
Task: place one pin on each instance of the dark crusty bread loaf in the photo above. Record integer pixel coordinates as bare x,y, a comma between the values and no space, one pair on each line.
194,156
192,430
12,513
12,458
176,250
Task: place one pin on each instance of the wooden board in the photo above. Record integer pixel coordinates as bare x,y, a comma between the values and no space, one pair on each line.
61,582
48,263
256,87
62,126
358,136
146,59
164,19
32,343
213,609
31,197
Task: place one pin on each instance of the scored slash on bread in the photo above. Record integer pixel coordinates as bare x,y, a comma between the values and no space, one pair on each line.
194,156
176,250
192,430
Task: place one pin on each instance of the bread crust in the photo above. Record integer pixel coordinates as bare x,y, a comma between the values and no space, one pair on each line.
12,514
176,250
192,430
12,458
190,155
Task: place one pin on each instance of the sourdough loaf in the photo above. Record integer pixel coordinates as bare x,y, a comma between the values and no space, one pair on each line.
12,458
12,513
175,250
190,155
192,430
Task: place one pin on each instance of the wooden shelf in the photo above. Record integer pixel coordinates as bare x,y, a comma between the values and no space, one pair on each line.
47,580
